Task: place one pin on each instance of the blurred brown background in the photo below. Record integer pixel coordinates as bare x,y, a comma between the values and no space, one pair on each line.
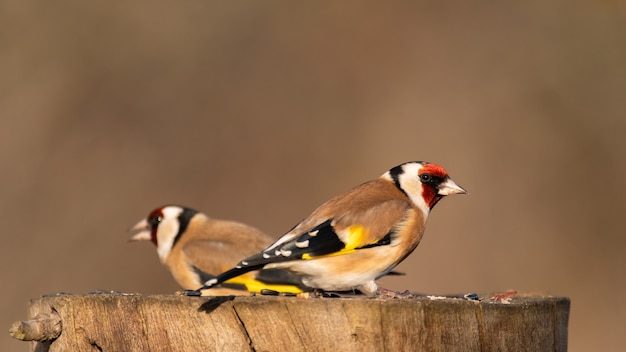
260,111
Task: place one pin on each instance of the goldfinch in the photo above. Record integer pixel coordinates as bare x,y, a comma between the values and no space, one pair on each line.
195,248
358,236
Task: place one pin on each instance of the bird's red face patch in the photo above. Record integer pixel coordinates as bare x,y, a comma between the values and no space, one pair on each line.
434,170
429,191
154,219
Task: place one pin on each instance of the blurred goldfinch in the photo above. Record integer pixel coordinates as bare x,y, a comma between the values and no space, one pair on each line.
195,248
358,236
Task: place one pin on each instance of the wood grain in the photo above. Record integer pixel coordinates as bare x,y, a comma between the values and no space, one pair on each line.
122,322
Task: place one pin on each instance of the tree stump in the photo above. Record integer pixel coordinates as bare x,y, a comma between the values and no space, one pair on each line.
132,322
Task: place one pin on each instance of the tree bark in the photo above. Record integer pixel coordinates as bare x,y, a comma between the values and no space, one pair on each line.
122,322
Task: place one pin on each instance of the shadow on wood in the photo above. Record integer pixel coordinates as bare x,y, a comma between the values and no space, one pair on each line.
122,322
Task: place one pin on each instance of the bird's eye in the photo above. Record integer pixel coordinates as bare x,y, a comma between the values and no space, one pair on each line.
154,221
425,178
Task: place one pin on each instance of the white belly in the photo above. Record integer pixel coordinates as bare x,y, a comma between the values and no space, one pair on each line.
344,272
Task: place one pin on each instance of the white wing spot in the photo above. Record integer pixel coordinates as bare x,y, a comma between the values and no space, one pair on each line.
284,252
313,233
277,253
302,244
265,255
210,282
244,262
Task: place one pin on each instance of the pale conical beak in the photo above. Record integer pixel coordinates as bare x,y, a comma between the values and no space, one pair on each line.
449,187
142,230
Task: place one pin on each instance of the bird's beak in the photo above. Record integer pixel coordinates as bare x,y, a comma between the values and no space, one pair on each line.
449,187
141,230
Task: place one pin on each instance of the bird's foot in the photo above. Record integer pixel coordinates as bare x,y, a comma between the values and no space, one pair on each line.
189,293
317,293
268,292
385,293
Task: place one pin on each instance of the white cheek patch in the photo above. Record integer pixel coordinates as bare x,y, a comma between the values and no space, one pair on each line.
412,186
167,231
165,237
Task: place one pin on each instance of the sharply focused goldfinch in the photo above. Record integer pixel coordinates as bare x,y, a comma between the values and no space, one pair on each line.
358,236
195,248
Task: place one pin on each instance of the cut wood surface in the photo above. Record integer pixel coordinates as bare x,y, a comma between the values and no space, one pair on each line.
132,322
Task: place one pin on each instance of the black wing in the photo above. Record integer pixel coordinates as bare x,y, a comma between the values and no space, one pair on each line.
320,240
